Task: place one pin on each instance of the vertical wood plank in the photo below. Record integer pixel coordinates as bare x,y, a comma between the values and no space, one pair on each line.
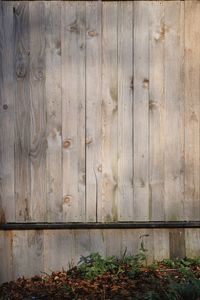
161,244
38,111
59,251
109,206
192,242
22,112
82,244
6,257
73,110
7,201
97,241
177,243
125,110
54,113
113,240
28,253
174,109
192,110
156,111
93,112
141,110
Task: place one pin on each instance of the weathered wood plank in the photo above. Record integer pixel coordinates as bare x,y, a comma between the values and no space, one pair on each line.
28,251
160,244
156,111
192,110
7,201
109,205
174,111
192,242
125,110
38,111
141,110
58,250
54,112
73,110
22,112
6,258
82,246
177,243
93,113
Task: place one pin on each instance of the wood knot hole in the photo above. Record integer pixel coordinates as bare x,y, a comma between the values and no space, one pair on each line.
146,83
67,199
5,106
92,33
66,143
89,140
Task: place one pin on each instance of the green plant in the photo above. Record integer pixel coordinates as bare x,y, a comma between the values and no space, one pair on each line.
168,263
184,290
94,265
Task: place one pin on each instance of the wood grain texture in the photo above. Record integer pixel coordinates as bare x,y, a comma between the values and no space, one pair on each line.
58,250
6,256
73,110
161,244
177,243
141,110
99,111
54,111
93,111
156,111
22,111
174,111
38,111
7,201
109,205
192,110
125,110
192,242
27,252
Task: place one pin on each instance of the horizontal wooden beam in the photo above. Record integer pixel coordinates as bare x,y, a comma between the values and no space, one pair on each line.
118,225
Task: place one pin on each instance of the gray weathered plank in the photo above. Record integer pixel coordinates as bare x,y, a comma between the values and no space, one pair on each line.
38,111
125,110
141,110
192,110
6,258
93,113
192,242
7,201
28,253
109,205
59,246
156,111
73,110
177,243
54,110
22,111
174,111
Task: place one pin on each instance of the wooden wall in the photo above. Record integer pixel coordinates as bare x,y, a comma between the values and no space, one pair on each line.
99,122
99,111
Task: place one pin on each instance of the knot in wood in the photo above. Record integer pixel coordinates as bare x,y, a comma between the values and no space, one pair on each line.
99,168
21,68
89,140
5,106
66,143
67,199
146,83
92,33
